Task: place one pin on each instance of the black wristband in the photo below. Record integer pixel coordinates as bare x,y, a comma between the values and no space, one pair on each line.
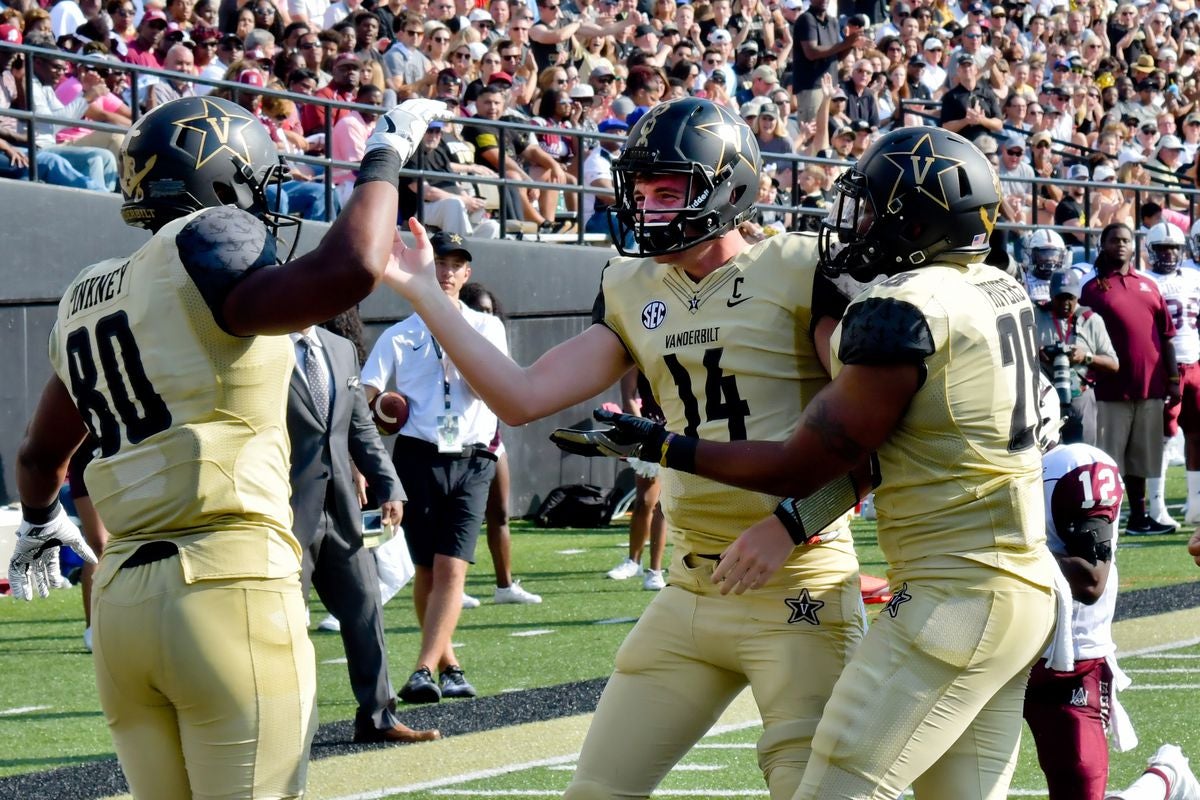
40,516
381,164
789,515
679,452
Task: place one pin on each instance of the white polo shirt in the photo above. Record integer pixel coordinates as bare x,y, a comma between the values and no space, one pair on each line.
405,359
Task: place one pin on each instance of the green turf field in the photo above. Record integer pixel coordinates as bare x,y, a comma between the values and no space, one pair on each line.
49,715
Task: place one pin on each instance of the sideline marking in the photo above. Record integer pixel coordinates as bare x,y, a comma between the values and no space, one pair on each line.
742,714
12,712
534,632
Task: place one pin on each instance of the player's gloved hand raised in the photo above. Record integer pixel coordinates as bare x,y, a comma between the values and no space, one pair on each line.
401,128
628,437
34,563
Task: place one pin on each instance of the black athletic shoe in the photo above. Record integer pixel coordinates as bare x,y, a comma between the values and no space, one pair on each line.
420,688
1148,526
454,683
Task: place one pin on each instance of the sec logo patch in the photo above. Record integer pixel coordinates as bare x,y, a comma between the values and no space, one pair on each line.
653,314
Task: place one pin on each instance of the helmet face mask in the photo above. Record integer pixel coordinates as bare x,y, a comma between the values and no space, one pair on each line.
1047,253
1046,260
917,194
199,152
712,149
1166,258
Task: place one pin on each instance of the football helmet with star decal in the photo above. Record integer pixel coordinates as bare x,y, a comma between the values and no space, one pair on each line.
194,153
917,195
713,148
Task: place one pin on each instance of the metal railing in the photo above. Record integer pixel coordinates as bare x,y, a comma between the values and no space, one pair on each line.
795,162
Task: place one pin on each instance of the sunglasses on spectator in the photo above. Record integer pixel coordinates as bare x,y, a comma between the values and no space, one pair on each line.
1015,151
515,57
713,62
1042,145
485,24
265,11
516,28
973,35
309,45
462,56
440,40
416,32
124,12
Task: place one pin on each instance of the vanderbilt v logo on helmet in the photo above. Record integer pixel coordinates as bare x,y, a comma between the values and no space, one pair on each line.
923,169
709,145
218,130
194,153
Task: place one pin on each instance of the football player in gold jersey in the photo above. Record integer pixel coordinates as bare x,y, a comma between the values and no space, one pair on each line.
175,360
935,369
724,332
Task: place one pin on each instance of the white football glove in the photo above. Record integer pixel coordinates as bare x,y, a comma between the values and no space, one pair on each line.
34,563
401,128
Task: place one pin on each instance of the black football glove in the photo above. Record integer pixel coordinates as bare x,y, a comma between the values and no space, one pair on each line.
627,437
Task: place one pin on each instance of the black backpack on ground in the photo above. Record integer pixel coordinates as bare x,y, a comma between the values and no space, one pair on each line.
577,505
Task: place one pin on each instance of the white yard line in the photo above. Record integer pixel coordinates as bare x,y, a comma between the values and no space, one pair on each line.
12,712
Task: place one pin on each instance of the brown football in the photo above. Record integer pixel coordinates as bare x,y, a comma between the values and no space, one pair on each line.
390,411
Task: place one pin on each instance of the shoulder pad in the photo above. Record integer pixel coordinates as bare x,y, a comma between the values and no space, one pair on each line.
885,331
219,248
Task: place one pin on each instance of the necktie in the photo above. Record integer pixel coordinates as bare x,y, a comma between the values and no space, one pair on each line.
318,378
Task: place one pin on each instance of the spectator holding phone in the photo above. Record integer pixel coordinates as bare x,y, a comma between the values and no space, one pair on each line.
818,46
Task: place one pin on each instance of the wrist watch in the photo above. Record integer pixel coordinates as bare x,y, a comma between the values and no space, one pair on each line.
1087,359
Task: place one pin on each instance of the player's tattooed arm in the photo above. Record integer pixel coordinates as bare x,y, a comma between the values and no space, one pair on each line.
835,434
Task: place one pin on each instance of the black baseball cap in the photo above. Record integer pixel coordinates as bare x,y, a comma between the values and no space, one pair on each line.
446,243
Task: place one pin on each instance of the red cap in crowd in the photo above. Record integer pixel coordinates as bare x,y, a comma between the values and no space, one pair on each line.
154,15
11,34
251,77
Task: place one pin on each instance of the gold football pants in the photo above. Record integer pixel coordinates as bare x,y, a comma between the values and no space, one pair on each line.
207,687
690,655
933,696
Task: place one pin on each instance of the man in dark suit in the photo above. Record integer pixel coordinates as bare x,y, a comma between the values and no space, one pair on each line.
330,425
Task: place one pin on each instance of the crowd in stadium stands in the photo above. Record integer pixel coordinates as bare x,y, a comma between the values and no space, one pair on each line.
1097,91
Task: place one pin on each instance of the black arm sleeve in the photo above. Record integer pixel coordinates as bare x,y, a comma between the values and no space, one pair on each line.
219,248
884,331
598,309
827,301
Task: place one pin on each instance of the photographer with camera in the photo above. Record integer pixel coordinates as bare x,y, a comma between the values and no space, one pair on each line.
1073,344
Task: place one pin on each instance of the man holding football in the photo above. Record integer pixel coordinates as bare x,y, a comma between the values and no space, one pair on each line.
731,337
444,463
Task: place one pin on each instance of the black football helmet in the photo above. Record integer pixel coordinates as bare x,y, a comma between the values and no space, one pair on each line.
916,195
194,153
710,145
